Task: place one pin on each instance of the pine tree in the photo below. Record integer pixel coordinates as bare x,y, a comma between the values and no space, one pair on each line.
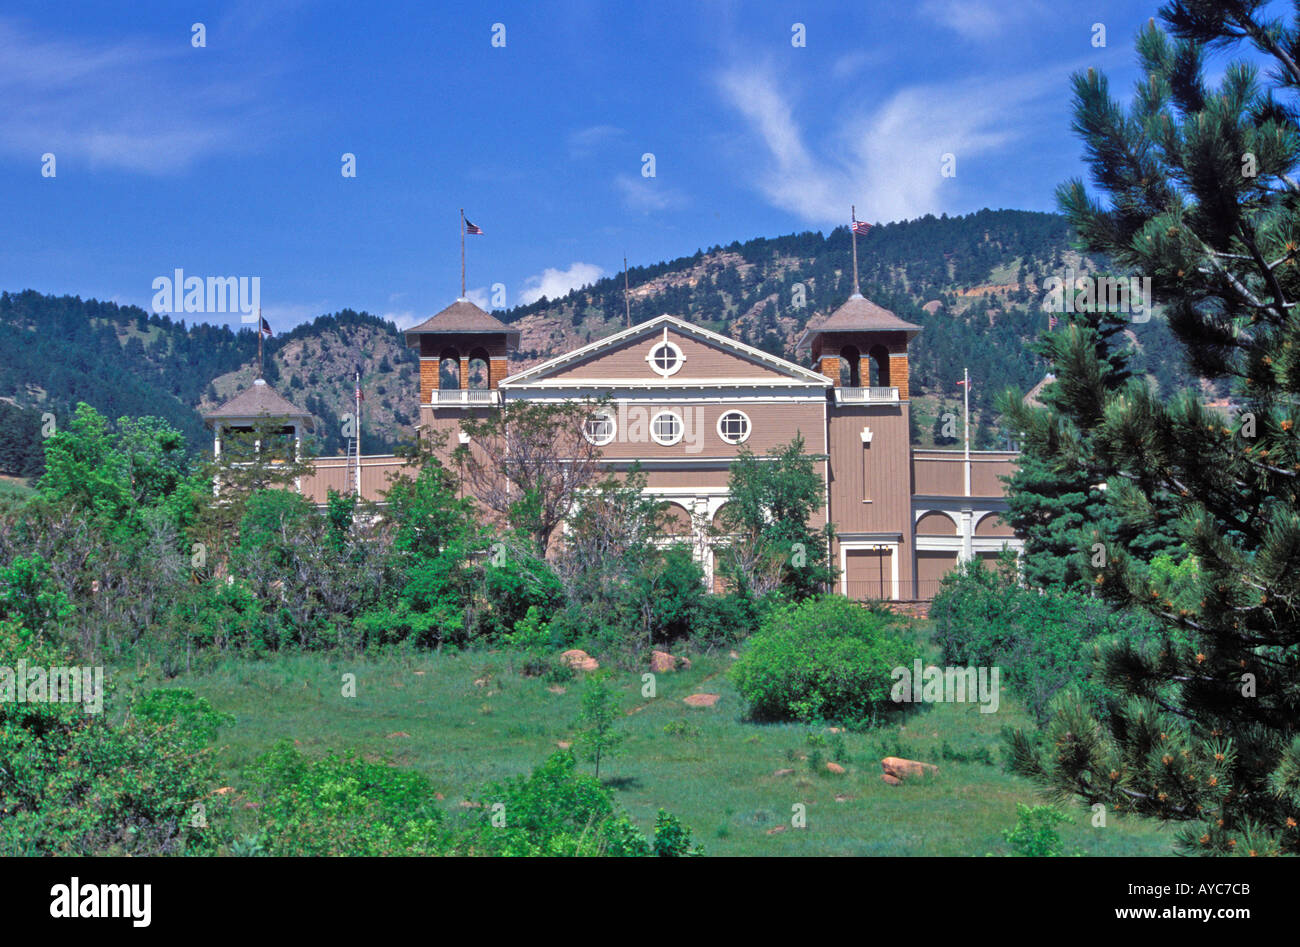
1203,199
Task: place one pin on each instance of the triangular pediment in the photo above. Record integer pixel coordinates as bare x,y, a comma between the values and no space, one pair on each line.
706,358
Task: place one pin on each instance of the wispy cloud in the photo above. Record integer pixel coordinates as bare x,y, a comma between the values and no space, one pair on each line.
979,20
647,194
127,104
553,283
887,161
586,141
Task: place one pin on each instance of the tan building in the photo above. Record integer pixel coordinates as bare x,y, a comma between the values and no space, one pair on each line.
684,401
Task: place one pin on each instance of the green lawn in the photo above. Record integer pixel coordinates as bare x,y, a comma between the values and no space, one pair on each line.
470,719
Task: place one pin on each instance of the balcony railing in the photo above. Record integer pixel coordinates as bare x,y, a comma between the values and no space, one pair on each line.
864,395
466,397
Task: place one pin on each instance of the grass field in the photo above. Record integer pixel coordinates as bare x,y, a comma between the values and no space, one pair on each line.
468,719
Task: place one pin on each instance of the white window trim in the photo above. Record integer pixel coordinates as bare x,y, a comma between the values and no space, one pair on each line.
676,350
611,417
681,428
749,426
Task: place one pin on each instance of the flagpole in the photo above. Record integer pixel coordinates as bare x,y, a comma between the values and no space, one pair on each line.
259,341
356,396
627,300
966,400
853,229
462,253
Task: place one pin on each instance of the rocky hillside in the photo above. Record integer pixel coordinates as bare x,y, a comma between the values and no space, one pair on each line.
974,283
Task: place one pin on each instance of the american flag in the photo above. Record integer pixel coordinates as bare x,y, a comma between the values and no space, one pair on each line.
266,326
470,228
358,395
1051,323
861,227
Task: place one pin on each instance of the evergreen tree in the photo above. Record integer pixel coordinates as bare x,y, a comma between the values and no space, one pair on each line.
1202,198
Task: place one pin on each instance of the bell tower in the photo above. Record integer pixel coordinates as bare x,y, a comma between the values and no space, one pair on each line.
451,343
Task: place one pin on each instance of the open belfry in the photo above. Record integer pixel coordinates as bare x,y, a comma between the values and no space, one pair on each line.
681,402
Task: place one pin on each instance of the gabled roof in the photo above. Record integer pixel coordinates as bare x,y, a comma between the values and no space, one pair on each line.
858,314
459,318
804,375
1031,397
257,401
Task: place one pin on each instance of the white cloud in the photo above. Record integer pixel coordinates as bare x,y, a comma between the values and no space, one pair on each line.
647,194
973,19
553,283
887,161
584,141
479,297
404,318
129,105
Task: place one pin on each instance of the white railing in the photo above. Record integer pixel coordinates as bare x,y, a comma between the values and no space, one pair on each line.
862,395
465,396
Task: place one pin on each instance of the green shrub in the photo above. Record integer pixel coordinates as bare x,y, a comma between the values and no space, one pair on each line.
557,811
1035,835
824,660
1041,639
343,806
110,783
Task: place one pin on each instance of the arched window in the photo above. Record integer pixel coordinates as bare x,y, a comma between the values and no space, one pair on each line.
449,369
478,368
879,356
850,367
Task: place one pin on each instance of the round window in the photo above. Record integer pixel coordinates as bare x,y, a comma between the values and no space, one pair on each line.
666,428
733,427
665,358
599,428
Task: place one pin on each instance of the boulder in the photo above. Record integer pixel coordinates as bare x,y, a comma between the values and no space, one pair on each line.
579,660
662,661
701,700
891,780
784,772
834,768
900,768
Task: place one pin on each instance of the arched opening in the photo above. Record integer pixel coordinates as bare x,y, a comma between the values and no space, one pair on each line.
677,521
935,523
478,368
879,370
449,369
850,367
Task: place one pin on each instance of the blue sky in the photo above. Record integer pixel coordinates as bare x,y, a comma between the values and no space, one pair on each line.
226,160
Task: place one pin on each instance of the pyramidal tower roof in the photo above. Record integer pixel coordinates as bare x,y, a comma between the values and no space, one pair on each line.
257,401
460,318
859,314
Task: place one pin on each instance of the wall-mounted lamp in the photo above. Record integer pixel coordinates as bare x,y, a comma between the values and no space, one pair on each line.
866,435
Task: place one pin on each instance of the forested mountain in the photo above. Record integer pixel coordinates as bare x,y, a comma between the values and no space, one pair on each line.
975,283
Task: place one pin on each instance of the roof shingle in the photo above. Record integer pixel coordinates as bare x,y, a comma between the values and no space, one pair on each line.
259,400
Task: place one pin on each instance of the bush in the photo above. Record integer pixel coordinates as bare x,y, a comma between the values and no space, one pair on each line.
343,806
109,783
1035,834
557,811
1041,639
824,660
